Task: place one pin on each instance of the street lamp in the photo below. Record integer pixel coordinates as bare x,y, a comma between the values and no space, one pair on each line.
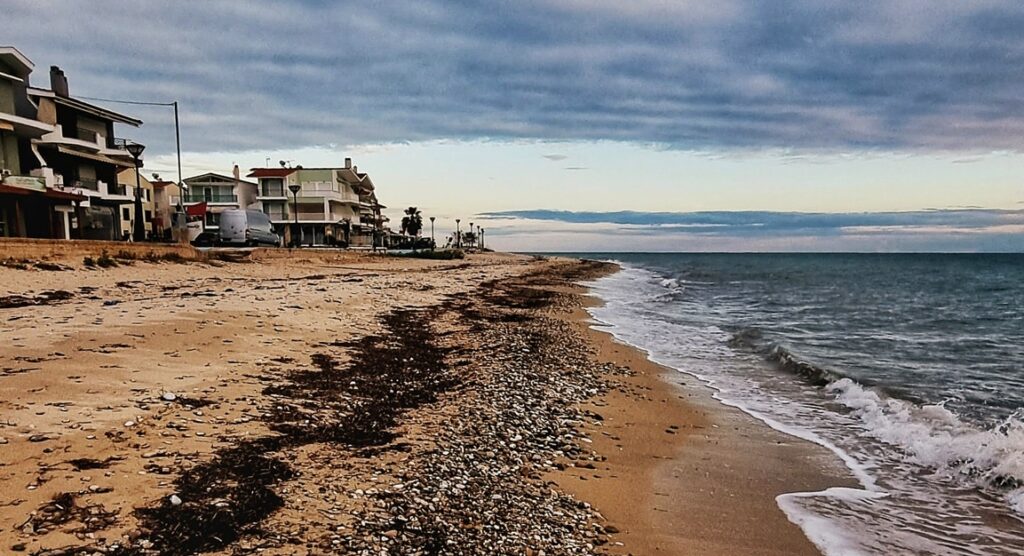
432,242
294,188
139,229
481,238
458,234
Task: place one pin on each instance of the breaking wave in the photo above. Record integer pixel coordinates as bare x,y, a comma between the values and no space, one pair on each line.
934,437
930,476
928,435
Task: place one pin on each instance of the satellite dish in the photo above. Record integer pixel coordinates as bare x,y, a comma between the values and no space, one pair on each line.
283,163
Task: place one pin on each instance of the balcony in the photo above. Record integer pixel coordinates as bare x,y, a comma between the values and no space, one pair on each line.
91,185
75,137
117,189
273,191
86,135
212,198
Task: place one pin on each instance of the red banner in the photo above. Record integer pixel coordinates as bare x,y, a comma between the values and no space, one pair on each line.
196,210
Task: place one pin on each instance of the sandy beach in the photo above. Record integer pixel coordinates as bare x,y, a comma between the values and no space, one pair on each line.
322,403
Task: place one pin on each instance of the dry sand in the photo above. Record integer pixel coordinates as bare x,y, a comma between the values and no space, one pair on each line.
82,408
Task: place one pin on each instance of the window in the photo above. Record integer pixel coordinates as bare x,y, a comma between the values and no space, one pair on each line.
212,219
272,187
126,213
275,210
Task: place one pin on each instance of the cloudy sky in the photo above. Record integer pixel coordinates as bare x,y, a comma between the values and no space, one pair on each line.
590,124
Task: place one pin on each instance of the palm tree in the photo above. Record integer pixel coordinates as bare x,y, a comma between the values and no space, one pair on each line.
412,224
415,221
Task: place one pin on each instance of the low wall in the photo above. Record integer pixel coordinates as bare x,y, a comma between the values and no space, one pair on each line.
75,250
319,255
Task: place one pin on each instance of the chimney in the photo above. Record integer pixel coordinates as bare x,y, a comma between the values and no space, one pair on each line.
236,173
58,81
348,163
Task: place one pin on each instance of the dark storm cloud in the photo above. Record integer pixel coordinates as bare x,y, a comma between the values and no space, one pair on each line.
766,223
808,74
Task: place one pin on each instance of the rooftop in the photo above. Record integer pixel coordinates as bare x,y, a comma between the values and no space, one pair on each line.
17,61
271,172
83,106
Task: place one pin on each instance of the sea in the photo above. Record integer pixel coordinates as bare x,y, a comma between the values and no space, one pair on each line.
908,367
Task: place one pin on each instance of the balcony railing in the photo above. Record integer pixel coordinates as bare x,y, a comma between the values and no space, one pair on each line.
272,192
211,198
118,143
86,184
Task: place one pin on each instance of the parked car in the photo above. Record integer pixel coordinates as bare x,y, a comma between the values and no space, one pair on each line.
205,239
247,227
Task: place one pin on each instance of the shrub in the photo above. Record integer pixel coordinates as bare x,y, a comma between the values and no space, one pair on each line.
89,262
105,260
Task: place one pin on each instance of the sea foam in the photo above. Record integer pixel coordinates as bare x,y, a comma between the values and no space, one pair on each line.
908,458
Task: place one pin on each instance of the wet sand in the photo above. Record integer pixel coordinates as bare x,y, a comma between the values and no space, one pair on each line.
686,474
317,404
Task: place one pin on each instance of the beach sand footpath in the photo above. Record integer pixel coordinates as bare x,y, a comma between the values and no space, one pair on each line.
326,403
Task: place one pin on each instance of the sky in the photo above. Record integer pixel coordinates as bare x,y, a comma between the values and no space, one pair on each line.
589,125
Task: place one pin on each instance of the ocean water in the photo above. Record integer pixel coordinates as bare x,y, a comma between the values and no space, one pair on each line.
910,368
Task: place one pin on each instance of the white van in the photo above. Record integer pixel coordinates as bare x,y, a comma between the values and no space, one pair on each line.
247,227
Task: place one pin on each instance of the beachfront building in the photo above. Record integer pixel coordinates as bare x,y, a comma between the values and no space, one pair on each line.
25,209
211,194
82,156
166,201
126,182
329,204
372,222
60,158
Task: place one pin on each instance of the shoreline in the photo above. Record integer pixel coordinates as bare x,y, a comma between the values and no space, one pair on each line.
339,402
706,475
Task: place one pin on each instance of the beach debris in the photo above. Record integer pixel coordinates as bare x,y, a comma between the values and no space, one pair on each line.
44,298
431,434
64,509
169,396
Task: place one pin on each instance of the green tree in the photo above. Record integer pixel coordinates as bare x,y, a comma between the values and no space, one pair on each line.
412,222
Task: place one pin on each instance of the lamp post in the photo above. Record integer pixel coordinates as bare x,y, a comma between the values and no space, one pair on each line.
481,238
139,229
294,188
432,242
458,234
471,235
